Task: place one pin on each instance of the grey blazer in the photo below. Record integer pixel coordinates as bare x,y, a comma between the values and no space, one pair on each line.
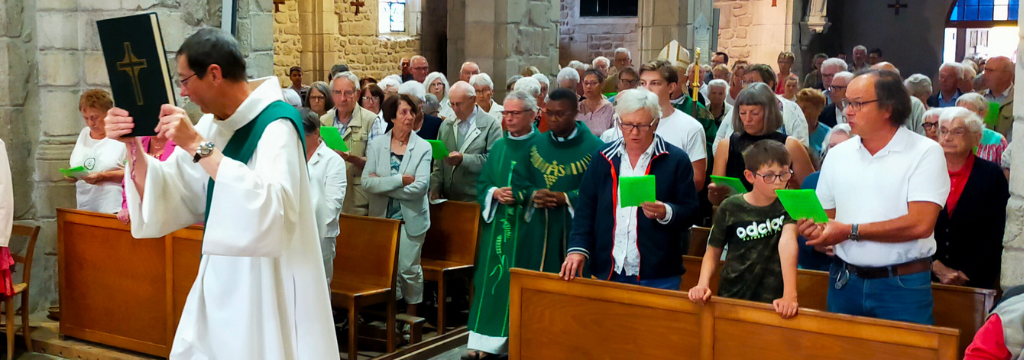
459,182
415,162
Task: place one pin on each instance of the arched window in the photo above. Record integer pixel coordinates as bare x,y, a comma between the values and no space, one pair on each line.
982,28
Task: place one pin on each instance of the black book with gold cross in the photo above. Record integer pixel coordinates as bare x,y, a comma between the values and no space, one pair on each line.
140,77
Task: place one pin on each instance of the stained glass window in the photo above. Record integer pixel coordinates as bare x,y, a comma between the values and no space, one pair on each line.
985,10
392,16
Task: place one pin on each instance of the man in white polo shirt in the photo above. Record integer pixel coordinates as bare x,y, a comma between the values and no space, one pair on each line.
675,127
884,189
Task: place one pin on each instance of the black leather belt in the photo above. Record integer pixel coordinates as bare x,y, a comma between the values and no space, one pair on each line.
907,268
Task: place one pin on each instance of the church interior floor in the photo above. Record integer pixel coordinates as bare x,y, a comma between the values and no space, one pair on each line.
49,345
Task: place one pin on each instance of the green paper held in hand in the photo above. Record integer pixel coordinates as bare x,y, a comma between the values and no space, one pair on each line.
734,183
635,190
332,137
992,117
803,204
75,172
439,150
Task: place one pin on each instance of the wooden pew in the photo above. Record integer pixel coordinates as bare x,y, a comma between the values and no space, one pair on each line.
955,307
364,272
590,319
698,241
449,250
121,291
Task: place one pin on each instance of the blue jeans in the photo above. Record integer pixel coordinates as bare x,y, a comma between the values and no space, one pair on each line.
669,283
902,298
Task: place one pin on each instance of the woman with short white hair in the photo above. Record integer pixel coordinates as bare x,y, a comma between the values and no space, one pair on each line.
436,83
919,86
992,143
568,78
485,95
969,230
531,86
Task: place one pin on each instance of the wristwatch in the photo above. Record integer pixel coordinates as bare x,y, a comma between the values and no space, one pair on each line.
204,150
854,233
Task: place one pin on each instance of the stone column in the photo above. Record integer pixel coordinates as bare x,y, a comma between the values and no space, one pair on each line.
504,36
662,21
50,53
1013,239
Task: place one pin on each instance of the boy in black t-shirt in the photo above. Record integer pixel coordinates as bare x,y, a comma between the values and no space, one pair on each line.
762,259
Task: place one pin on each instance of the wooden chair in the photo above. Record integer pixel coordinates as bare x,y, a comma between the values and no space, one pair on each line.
698,241
364,272
32,232
449,250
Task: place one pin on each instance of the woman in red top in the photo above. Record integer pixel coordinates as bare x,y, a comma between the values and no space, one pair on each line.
786,60
969,230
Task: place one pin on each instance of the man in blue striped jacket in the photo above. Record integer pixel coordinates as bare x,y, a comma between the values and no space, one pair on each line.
615,238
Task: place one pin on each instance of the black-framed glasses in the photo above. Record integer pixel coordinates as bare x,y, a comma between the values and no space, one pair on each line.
770,178
184,82
836,88
857,105
629,127
629,81
513,112
930,125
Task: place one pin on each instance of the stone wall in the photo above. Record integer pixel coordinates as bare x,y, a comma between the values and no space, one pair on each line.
503,37
334,34
1013,239
49,54
584,38
754,31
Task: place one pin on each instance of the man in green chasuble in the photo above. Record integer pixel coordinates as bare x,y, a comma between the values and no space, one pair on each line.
547,186
502,222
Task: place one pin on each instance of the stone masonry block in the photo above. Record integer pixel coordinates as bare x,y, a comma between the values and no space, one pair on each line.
1013,235
262,32
57,30
260,64
12,18
50,196
745,20
539,14
1012,273
59,67
99,4
137,5
60,120
95,69
480,11
175,30
56,4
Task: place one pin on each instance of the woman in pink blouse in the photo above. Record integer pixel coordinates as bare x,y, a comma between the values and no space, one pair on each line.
157,147
595,111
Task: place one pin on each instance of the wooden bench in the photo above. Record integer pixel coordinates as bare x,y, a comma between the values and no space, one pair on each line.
121,291
449,250
364,272
698,241
955,307
591,319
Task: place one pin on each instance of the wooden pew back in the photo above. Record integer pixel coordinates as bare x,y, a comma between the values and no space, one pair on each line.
955,307
584,318
368,248
454,230
698,241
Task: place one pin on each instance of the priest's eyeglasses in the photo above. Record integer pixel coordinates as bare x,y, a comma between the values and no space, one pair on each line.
770,178
184,82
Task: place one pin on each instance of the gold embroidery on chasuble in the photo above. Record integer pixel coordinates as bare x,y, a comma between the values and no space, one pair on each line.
553,170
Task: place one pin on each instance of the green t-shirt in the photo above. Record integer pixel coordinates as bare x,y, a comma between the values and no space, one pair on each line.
753,269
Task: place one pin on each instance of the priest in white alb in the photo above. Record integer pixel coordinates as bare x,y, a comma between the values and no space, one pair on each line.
260,292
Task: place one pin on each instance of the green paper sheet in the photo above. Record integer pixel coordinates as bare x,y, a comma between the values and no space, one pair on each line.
332,137
992,117
440,151
802,204
734,183
635,190
75,172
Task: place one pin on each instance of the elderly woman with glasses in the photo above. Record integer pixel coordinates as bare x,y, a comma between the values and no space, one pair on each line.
992,144
318,98
756,117
594,110
969,230
633,244
931,123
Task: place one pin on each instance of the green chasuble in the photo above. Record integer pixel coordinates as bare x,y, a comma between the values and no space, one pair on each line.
557,166
500,225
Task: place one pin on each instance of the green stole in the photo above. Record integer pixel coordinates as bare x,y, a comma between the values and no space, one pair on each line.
243,142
